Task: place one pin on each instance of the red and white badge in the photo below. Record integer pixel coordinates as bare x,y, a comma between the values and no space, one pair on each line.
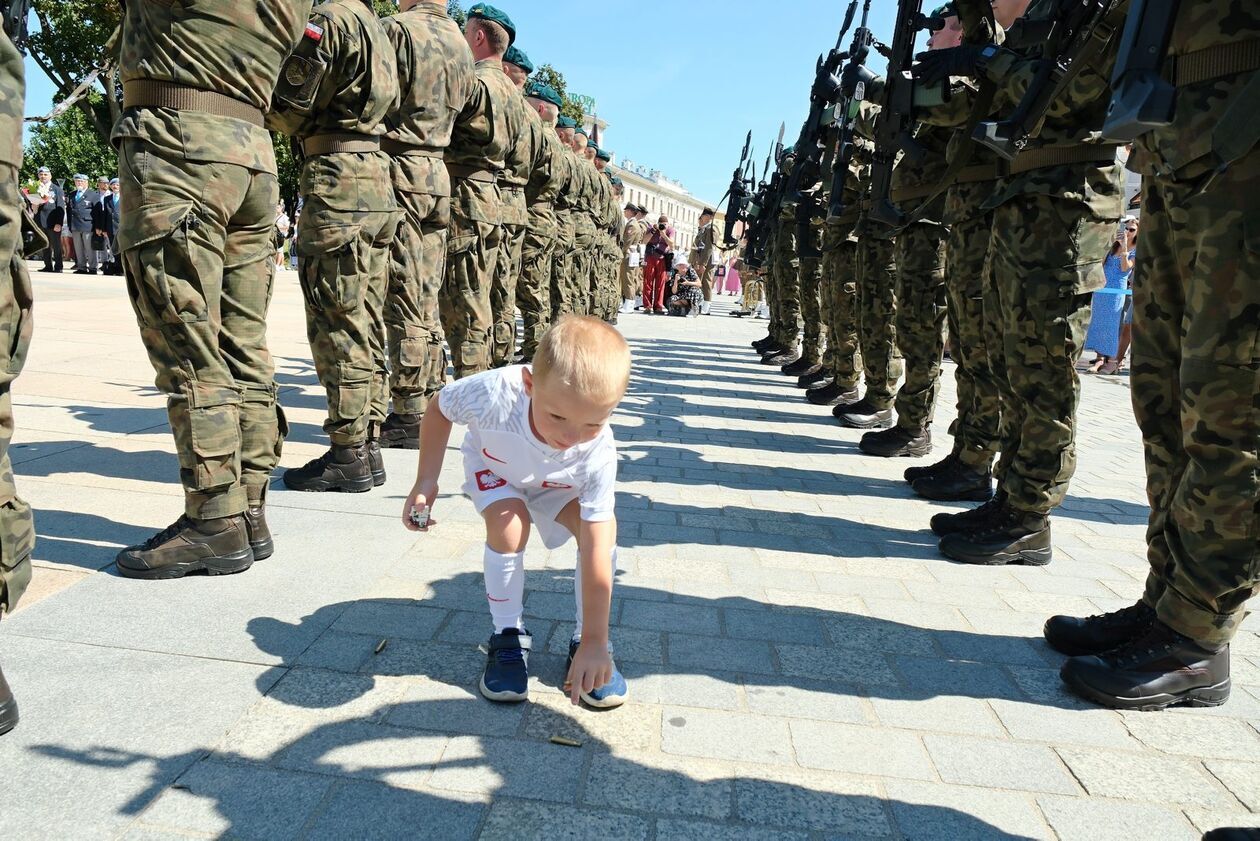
487,481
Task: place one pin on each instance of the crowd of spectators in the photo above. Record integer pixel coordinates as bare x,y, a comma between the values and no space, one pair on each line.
80,224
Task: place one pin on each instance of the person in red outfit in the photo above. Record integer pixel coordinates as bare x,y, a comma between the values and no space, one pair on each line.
660,244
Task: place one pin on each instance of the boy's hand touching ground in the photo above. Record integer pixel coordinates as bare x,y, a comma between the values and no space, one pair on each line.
422,497
592,668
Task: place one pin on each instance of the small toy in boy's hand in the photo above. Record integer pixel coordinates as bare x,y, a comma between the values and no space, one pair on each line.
420,519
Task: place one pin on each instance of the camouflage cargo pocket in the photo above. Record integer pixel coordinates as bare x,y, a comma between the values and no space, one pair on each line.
413,352
333,266
21,323
160,267
214,439
17,541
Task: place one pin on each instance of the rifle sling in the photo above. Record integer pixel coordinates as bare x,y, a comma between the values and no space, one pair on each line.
1214,62
1080,153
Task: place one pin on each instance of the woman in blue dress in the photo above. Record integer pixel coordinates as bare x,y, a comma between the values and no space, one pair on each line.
1104,328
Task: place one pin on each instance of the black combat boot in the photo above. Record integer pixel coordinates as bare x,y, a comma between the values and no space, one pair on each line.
956,483
376,461
1101,633
817,378
800,366
260,540
897,443
217,547
764,343
976,518
1232,833
1012,536
340,469
832,395
780,358
401,432
8,706
913,473
1159,669
863,415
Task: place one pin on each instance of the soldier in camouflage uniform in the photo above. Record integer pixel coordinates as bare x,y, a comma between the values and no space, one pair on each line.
876,269
579,293
1196,380
809,254
783,287
199,193
550,176
485,131
17,526
1053,215
521,159
333,96
435,74
563,264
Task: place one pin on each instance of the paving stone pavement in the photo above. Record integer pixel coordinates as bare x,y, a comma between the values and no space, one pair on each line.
802,662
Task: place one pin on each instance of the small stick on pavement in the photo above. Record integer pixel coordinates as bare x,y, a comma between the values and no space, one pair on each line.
568,743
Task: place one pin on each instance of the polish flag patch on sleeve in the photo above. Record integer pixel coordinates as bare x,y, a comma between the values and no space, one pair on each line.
315,33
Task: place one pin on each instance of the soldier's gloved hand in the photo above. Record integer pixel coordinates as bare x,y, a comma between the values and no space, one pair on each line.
936,66
853,75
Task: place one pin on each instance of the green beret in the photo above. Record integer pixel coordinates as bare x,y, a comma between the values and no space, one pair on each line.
591,144
580,129
602,155
517,56
487,12
544,92
948,10
566,122
617,182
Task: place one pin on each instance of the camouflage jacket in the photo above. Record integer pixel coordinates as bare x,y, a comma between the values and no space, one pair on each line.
435,79
12,101
925,175
551,168
572,195
1074,118
359,86
527,148
1183,150
489,121
222,46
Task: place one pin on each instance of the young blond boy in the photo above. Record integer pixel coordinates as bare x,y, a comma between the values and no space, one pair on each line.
539,452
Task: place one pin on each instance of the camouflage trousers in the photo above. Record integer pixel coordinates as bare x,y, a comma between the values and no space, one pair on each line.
349,220
417,267
976,429
610,281
877,315
533,290
579,280
1196,394
843,358
809,283
1044,253
472,253
507,273
563,266
785,280
200,264
920,258
17,524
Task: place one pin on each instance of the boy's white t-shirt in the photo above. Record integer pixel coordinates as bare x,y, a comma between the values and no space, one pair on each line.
501,446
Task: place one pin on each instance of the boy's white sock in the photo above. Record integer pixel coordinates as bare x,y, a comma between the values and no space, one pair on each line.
577,590
505,588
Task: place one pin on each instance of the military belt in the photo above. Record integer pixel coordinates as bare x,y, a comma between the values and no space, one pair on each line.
1081,153
398,149
1214,62
978,173
509,187
149,93
922,191
331,144
472,173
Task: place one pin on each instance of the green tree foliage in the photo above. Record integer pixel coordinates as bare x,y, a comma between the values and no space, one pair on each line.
549,75
71,40
66,145
454,8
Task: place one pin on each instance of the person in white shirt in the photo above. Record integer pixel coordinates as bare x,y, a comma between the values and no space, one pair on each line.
539,452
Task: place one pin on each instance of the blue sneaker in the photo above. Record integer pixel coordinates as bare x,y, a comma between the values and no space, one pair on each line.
506,677
611,694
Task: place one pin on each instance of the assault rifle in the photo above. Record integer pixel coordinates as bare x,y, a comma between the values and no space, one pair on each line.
15,14
737,195
768,207
894,127
1068,39
822,95
846,112
1141,99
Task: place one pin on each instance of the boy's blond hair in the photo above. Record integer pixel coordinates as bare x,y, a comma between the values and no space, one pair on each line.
587,355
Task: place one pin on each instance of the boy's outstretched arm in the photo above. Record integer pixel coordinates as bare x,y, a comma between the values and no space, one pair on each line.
435,432
592,665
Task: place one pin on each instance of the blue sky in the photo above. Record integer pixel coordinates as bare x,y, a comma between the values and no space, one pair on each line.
679,83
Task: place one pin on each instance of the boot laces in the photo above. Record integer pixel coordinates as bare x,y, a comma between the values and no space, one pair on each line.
1157,638
167,533
1130,615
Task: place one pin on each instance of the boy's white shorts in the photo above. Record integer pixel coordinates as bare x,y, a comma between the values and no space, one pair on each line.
484,487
